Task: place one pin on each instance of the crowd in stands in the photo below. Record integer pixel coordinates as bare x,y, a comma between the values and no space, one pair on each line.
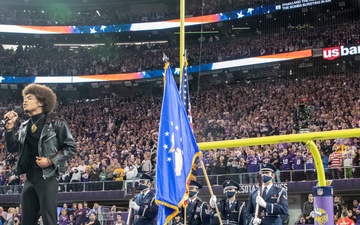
117,138
78,213
81,212
108,59
63,14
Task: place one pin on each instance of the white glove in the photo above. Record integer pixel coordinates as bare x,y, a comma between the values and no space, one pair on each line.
312,214
213,201
260,201
257,221
134,206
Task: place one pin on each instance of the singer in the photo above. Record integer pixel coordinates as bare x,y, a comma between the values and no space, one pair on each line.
44,145
273,201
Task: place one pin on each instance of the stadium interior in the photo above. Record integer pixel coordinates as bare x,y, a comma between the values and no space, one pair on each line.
313,58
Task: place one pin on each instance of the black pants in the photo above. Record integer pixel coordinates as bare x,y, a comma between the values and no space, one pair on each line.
39,197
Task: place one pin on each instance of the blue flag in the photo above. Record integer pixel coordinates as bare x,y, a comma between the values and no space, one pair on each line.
177,150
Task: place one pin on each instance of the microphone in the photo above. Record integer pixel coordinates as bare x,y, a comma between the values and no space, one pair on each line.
18,110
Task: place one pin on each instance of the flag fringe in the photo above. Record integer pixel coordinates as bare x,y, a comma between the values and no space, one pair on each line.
174,207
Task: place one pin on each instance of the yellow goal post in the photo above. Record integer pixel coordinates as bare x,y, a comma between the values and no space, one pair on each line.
307,138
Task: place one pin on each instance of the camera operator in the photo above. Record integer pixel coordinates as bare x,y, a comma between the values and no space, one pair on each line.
302,117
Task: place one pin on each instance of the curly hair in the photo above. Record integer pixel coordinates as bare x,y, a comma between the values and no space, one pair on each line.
44,94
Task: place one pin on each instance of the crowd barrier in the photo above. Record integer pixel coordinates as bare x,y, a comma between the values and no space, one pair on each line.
241,178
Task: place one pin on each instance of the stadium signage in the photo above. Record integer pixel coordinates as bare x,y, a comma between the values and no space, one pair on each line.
247,188
302,3
335,52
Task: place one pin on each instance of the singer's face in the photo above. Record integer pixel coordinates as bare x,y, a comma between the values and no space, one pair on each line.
32,105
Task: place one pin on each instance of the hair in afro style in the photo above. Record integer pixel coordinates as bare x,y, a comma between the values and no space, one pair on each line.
44,94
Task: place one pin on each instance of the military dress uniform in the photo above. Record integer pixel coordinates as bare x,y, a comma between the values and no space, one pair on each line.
276,205
146,215
147,212
197,211
232,213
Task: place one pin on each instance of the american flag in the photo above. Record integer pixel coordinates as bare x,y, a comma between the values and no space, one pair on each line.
185,94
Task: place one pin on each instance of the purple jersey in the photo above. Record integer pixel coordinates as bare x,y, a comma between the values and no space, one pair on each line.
63,220
285,162
298,162
264,128
253,163
309,164
2,180
266,159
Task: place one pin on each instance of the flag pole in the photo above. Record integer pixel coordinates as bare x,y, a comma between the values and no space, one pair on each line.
209,186
184,207
182,35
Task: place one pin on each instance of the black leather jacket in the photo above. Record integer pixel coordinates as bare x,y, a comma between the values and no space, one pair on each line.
56,142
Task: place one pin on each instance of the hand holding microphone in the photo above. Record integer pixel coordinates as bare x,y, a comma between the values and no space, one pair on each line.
11,117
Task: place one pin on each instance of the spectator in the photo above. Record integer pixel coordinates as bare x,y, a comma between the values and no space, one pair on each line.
345,218
80,215
308,210
3,214
335,162
325,162
309,166
357,214
73,209
94,177
87,210
130,173
354,209
97,211
253,162
119,220
286,165
301,220
356,164
348,155
17,213
234,168
146,164
82,166
65,178
242,170
352,216
338,203
103,174
71,220
75,179
327,147
63,218
275,160
119,174
298,163
65,208
10,216
93,220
